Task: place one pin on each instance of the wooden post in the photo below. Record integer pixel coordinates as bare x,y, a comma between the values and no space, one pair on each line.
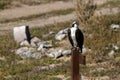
75,64
76,59
82,59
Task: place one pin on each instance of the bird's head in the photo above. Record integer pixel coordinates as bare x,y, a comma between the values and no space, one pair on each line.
75,24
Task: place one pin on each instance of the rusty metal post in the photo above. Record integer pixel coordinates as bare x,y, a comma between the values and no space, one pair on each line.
75,64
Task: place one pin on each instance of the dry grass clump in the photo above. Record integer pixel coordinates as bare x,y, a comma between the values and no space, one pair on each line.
85,10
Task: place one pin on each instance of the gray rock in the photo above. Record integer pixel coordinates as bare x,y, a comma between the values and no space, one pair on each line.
33,44
45,45
22,50
36,55
41,46
29,54
26,55
64,31
115,26
24,43
60,36
66,52
55,53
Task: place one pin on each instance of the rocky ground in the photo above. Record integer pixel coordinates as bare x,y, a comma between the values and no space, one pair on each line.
39,16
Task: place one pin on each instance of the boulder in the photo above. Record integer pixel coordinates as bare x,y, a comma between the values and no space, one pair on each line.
21,33
60,36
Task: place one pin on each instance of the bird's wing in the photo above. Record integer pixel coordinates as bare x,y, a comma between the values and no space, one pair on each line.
69,37
79,38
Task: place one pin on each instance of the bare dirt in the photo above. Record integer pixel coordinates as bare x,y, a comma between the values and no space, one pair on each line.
24,11
33,10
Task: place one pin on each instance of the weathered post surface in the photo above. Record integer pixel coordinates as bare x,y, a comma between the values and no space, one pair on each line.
76,59
75,64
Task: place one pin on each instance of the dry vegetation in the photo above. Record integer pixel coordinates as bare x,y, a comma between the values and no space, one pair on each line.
99,37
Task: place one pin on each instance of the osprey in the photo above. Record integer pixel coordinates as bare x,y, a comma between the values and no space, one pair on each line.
75,36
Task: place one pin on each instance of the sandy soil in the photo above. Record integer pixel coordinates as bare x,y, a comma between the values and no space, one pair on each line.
34,10
45,8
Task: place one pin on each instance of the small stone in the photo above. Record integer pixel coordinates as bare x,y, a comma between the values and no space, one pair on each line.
56,53
32,49
66,52
2,59
111,53
116,47
35,39
60,37
51,33
61,34
50,55
86,50
41,46
26,54
115,26
64,31
34,44
36,55
24,43
22,50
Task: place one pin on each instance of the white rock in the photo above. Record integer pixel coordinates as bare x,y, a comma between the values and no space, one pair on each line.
51,33
115,47
111,53
22,50
21,33
60,37
58,53
24,43
66,52
115,26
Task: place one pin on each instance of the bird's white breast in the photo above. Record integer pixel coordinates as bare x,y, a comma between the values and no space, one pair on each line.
73,36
